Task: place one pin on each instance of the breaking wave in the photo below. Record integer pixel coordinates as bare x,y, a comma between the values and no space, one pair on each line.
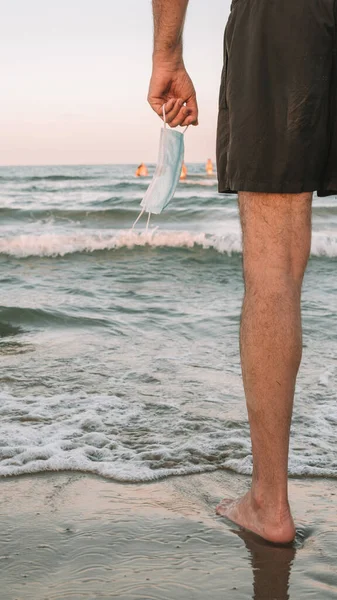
52,244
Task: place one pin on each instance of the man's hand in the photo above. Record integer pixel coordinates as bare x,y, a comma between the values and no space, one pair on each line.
171,85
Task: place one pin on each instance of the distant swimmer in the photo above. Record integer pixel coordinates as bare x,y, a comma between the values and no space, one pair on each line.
209,167
183,173
142,171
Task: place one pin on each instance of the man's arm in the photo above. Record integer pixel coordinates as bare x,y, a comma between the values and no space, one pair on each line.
168,20
170,83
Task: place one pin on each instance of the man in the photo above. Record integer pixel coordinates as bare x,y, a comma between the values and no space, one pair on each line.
276,144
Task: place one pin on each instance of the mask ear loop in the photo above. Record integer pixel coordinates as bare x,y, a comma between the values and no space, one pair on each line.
136,221
148,222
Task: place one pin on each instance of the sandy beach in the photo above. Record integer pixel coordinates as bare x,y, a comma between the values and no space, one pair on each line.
74,536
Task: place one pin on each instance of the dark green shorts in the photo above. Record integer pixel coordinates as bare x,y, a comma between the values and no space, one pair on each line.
277,125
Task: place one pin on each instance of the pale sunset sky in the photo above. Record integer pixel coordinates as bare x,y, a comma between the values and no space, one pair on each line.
75,76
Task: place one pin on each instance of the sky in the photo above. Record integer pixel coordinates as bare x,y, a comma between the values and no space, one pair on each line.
75,76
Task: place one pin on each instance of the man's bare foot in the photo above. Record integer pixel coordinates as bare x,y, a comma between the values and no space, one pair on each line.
274,525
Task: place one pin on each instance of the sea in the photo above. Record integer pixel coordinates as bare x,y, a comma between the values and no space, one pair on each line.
119,349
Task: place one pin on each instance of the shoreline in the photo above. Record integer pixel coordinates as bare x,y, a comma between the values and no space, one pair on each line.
69,535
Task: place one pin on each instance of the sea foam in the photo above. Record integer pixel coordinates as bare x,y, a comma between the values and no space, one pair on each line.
54,244
132,440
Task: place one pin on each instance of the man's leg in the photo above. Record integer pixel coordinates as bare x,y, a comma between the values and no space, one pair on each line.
276,233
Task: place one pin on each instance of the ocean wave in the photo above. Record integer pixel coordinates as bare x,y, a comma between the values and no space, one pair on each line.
12,316
50,245
132,440
47,178
197,181
114,208
80,214
53,245
8,330
325,211
200,180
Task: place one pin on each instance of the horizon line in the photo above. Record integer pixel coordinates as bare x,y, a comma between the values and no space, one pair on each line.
93,164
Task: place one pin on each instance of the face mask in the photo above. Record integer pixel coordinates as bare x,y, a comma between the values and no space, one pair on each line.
165,179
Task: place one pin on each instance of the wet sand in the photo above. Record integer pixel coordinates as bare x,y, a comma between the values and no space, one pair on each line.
73,536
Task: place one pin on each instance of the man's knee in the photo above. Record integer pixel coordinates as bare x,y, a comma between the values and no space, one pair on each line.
276,235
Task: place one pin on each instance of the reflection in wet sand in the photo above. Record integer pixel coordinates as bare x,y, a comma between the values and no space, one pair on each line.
271,566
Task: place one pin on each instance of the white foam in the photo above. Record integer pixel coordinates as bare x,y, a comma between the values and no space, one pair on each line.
53,244
130,440
325,378
324,244
106,435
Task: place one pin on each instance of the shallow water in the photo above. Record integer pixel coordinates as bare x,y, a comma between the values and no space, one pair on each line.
119,349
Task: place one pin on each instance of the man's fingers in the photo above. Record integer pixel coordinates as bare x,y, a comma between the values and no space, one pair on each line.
157,105
188,115
172,108
176,113
171,114
169,105
193,108
183,114
189,121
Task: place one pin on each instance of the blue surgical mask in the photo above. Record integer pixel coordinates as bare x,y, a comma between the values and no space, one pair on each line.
166,176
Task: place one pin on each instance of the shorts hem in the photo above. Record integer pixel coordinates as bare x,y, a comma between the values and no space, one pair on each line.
329,189
235,186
